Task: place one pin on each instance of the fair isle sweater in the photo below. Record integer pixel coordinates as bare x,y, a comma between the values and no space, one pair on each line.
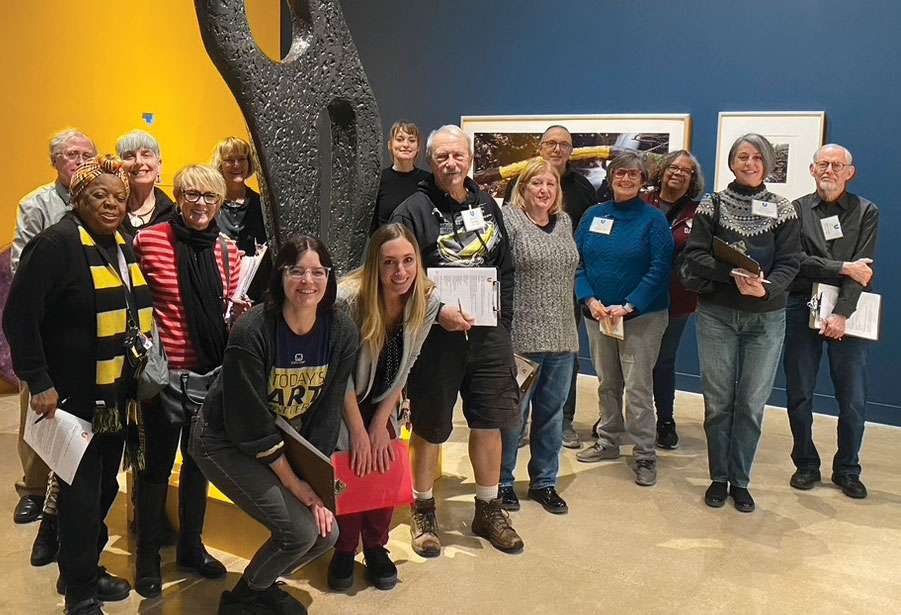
631,264
543,319
775,243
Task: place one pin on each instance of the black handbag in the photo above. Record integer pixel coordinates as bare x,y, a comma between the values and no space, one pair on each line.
155,375
690,280
182,397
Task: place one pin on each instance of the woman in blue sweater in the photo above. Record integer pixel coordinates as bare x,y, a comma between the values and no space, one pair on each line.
626,251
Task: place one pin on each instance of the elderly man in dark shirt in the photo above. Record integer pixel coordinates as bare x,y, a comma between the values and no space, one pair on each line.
838,242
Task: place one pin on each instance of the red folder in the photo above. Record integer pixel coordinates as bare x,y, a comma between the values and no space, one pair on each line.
375,490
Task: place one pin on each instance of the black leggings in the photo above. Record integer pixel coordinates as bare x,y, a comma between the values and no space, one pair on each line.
162,440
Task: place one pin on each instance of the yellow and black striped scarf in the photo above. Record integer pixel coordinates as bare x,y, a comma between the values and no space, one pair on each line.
113,371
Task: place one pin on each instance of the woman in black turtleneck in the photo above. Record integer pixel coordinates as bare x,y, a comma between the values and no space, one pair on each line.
400,180
741,322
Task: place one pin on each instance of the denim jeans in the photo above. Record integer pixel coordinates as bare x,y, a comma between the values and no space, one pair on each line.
625,367
665,369
256,490
739,353
546,434
848,368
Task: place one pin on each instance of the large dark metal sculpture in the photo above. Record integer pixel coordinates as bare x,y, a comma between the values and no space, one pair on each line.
319,87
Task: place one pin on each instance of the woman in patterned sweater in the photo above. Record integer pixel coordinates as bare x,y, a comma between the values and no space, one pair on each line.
741,322
544,326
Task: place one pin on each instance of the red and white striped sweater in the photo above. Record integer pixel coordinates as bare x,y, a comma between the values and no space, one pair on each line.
156,252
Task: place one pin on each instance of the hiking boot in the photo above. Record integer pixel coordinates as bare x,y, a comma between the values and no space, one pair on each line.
509,501
667,438
492,522
382,571
646,472
570,437
424,528
598,452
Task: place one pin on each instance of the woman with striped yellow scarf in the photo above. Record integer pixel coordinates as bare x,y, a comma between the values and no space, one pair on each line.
78,315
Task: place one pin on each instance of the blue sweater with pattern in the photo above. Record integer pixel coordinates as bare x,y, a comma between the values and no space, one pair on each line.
629,265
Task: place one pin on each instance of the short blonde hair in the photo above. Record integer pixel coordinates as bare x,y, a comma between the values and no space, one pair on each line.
233,145
538,166
200,176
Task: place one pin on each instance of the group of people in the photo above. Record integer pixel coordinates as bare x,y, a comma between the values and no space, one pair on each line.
106,265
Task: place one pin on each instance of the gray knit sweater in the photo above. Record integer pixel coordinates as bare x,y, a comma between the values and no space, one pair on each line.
543,318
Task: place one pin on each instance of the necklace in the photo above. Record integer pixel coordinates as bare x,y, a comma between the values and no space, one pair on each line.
532,220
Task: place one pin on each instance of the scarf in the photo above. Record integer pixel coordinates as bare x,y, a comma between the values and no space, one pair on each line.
114,315
200,285
85,175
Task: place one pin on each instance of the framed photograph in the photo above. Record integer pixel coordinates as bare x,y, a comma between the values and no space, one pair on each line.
796,136
503,143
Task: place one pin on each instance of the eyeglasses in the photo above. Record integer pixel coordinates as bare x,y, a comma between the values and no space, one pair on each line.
193,196
561,145
675,170
838,167
319,274
630,173
72,156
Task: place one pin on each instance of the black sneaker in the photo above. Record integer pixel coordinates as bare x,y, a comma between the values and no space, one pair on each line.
509,501
279,602
382,571
805,479
667,438
341,571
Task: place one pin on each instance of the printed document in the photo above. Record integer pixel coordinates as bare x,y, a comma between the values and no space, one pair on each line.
863,323
476,290
60,441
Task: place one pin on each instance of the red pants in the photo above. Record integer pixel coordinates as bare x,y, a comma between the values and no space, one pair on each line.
372,526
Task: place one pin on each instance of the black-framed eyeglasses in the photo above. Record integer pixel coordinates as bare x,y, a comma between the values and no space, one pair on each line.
194,196
318,274
677,170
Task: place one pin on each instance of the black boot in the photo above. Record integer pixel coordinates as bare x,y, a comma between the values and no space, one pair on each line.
190,552
46,543
149,508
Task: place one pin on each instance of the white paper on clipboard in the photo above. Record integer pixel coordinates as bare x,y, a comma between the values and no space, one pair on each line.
60,441
863,323
475,289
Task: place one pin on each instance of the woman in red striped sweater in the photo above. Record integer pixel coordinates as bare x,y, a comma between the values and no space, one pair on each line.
193,272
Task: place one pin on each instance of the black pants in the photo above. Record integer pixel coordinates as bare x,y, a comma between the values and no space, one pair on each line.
82,508
162,440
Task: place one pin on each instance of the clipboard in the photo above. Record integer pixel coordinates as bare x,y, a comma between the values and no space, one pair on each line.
375,490
476,289
865,322
722,251
310,464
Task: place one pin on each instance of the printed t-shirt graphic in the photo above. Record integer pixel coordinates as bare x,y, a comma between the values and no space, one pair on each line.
300,368
460,247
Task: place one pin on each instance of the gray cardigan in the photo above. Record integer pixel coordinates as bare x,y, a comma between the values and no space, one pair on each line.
362,378
543,316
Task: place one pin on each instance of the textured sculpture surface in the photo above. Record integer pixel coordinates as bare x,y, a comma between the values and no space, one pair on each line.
319,84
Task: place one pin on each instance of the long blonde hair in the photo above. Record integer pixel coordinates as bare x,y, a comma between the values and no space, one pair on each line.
367,308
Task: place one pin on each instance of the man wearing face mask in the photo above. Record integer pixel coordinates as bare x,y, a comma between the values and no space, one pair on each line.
838,244
40,209
458,225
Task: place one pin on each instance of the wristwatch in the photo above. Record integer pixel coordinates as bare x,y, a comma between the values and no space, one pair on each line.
628,307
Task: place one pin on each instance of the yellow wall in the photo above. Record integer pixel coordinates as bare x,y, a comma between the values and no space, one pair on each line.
97,66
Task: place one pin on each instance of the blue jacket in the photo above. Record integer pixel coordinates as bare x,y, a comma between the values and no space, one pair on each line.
630,265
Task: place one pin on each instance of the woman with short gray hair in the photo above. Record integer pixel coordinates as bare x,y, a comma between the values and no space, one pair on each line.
147,203
741,314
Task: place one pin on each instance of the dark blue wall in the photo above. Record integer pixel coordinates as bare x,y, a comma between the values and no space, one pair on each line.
433,61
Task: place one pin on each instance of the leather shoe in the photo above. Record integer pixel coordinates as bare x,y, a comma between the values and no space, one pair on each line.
550,500
197,558
109,588
28,509
804,479
715,496
850,485
509,501
742,499
46,543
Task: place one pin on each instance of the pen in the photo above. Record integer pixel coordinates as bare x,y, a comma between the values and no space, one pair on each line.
460,305
43,416
745,275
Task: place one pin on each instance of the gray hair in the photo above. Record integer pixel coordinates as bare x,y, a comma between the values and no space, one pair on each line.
447,129
761,144
628,160
697,184
60,140
816,154
135,141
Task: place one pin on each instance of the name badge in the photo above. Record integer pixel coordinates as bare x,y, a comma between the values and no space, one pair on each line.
602,226
764,208
473,220
832,228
